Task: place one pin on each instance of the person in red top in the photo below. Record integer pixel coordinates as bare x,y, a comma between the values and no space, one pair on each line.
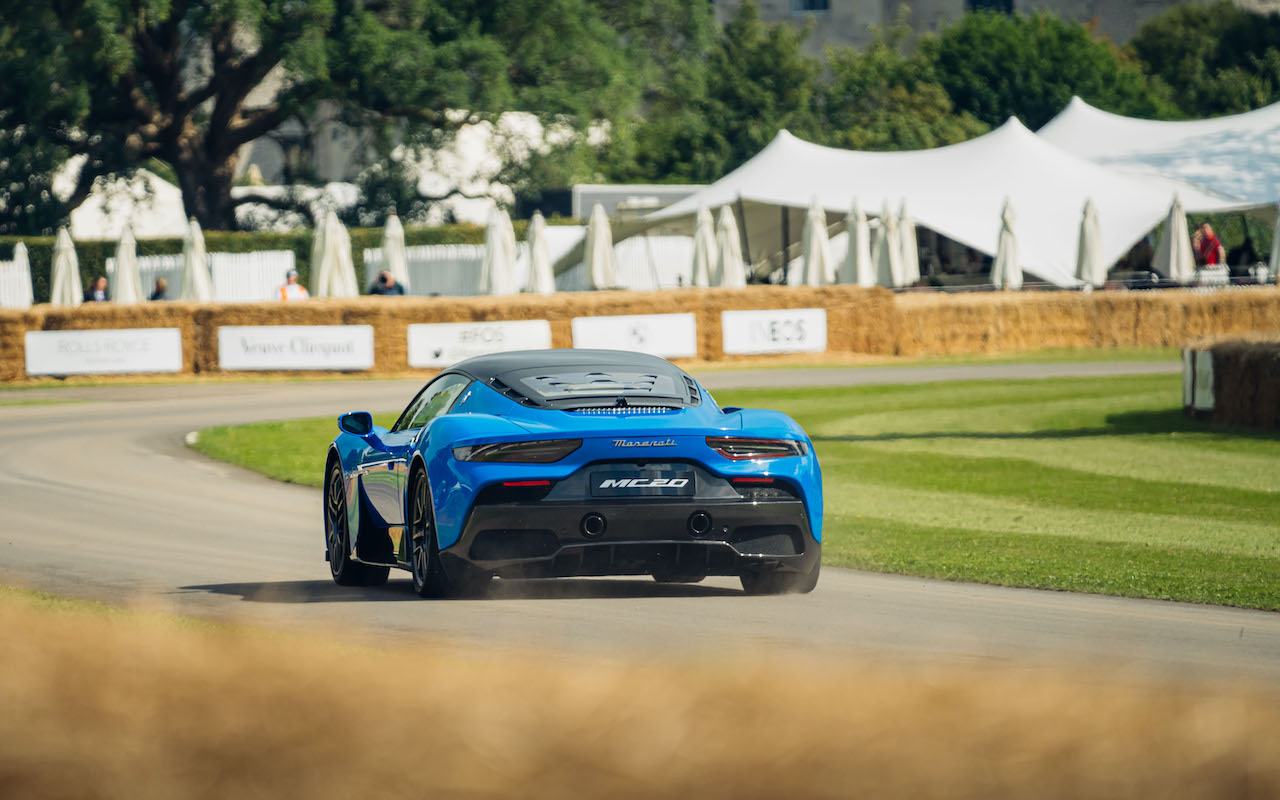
1208,247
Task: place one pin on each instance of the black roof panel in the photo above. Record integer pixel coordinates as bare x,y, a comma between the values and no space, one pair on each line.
583,378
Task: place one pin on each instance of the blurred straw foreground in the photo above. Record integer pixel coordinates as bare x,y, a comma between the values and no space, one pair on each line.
119,706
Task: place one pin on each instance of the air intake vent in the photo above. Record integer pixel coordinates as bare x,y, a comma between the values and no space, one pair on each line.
695,397
512,393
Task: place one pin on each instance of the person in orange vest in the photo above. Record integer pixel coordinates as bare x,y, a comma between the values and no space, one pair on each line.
292,290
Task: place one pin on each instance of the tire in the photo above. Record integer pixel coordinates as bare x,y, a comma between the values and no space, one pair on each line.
344,570
781,582
430,577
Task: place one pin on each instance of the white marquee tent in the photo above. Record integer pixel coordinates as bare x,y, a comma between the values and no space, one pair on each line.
1232,156
957,191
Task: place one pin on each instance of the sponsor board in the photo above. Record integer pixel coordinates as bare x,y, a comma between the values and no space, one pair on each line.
285,347
100,352
440,344
784,330
1203,389
663,335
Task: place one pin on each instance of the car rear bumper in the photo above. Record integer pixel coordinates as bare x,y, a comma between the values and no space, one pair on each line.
536,540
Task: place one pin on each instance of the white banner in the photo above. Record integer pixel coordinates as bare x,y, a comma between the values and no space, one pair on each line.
104,351
663,335
440,344
337,347
785,330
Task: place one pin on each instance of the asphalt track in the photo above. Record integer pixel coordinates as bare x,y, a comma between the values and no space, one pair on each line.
101,499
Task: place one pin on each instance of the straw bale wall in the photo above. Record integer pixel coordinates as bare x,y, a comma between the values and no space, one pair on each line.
1246,383
862,321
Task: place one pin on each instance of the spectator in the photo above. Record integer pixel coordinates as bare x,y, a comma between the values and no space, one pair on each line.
386,284
97,291
1209,250
161,291
292,290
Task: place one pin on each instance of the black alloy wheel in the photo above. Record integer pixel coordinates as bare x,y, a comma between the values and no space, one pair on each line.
345,570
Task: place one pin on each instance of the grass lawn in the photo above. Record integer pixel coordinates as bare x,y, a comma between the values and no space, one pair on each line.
1096,485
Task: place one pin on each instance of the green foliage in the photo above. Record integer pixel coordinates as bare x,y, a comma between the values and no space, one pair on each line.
756,81
124,82
880,99
996,66
1214,59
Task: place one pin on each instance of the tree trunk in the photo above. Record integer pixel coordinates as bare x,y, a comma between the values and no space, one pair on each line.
206,189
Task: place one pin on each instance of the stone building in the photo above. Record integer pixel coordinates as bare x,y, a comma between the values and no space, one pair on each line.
849,22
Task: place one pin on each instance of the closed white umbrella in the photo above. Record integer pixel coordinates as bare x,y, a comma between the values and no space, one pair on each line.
66,290
1274,264
1006,270
346,284
1090,268
730,268
704,248
22,266
541,278
395,258
817,248
1173,257
885,251
197,283
128,284
320,268
907,245
858,267
600,270
336,276
498,269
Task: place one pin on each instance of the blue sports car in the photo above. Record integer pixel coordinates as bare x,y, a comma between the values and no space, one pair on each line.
553,463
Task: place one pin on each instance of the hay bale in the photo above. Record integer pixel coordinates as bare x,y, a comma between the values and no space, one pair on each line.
13,349
1246,385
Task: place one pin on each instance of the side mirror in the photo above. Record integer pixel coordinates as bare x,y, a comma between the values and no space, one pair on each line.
731,409
359,423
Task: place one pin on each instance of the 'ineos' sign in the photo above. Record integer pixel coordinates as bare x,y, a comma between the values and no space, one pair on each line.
440,344
785,330
288,347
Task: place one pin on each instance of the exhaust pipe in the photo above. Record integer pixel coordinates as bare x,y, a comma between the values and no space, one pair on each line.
592,525
699,523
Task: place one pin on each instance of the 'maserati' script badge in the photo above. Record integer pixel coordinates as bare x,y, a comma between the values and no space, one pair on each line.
644,443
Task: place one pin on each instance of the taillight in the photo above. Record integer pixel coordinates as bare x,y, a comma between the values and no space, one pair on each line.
740,449
540,452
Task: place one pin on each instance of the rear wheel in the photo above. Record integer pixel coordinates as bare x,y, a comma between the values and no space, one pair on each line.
345,570
781,582
430,578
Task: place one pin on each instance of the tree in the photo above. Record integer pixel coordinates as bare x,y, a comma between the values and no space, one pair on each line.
996,66
756,80
881,99
189,83
1210,60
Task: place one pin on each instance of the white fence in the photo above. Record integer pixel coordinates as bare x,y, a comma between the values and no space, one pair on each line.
453,270
450,270
15,286
237,277
642,263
